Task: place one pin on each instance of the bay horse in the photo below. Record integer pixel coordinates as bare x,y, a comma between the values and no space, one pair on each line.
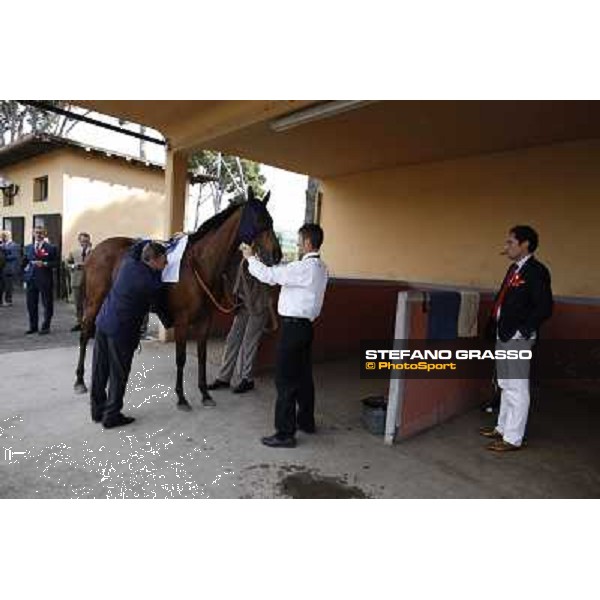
210,252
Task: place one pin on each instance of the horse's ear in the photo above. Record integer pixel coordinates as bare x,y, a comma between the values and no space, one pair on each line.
250,193
266,197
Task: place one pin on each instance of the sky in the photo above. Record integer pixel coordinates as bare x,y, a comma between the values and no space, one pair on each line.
288,189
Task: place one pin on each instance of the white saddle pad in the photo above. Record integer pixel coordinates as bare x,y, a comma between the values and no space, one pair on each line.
170,273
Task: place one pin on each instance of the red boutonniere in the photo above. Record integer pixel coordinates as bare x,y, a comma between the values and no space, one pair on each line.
517,281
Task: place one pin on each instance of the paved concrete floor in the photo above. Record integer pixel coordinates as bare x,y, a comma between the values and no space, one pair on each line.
215,453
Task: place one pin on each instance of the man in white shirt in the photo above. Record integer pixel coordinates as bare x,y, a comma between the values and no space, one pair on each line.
303,284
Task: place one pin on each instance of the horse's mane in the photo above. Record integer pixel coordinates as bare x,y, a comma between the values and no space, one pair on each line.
214,222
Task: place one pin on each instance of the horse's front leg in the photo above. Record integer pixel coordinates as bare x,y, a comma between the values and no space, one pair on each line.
201,338
180,357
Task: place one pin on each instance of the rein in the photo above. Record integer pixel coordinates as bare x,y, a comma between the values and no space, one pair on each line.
207,291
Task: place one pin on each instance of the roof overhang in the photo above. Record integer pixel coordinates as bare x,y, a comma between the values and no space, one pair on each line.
370,135
34,145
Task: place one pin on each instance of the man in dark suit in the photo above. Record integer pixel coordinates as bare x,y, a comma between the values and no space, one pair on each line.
40,258
522,304
137,286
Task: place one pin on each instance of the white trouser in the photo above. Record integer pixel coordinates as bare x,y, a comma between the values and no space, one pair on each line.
514,401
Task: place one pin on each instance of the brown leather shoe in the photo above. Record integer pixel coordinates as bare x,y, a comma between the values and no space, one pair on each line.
490,432
502,446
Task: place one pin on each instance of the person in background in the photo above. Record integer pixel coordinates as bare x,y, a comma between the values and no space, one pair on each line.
2,265
12,252
303,284
40,259
245,334
76,260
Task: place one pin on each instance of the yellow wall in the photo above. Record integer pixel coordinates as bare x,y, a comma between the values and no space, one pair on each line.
108,198
103,196
445,222
23,175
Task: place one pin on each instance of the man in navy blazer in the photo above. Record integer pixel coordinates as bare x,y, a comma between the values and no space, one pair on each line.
522,304
136,287
40,258
12,254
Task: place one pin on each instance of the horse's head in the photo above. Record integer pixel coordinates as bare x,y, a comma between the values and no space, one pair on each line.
256,229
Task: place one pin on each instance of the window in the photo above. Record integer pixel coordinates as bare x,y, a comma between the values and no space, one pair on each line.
40,189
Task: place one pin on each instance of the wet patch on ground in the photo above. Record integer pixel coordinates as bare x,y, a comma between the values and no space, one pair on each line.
305,484
298,482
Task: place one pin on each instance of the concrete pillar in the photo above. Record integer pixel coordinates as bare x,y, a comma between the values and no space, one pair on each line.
176,188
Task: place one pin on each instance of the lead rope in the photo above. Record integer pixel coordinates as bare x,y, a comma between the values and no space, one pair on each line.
220,307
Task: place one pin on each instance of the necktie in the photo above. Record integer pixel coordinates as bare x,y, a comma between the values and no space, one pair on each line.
83,253
505,285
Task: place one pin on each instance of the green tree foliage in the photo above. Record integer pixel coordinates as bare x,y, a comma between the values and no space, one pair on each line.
234,174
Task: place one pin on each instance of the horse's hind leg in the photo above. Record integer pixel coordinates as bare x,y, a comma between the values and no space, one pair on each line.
180,357
87,332
88,327
201,337
80,387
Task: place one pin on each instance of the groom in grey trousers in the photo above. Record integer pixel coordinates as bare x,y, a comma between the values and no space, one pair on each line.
245,334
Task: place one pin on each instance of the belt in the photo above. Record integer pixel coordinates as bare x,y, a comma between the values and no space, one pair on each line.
295,320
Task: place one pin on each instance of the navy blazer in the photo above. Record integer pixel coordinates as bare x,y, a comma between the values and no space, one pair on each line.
11,253
527,305
48,255
135,288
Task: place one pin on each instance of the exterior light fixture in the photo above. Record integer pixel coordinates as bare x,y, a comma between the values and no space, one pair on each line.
317,113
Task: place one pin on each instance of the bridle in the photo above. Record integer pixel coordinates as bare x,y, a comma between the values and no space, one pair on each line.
247,233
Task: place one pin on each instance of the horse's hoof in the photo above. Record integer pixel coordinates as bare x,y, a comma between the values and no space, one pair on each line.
208,402
80,388
184,406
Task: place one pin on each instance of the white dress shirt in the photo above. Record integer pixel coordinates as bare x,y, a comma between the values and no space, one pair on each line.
302,282
521,262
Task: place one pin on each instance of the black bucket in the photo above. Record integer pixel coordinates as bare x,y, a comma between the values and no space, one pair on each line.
373,415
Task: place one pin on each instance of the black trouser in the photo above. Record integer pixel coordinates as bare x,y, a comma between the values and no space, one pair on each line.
7,292
294,380
34,290
111,365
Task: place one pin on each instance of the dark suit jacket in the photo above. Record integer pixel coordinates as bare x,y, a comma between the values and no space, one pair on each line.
42,276
12,254
135,288
525,306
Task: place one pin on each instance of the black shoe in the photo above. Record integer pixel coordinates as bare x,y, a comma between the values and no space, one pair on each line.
278,441
44,330
96,419
243,386
217,384
76,328
118,421
310,429
29,331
